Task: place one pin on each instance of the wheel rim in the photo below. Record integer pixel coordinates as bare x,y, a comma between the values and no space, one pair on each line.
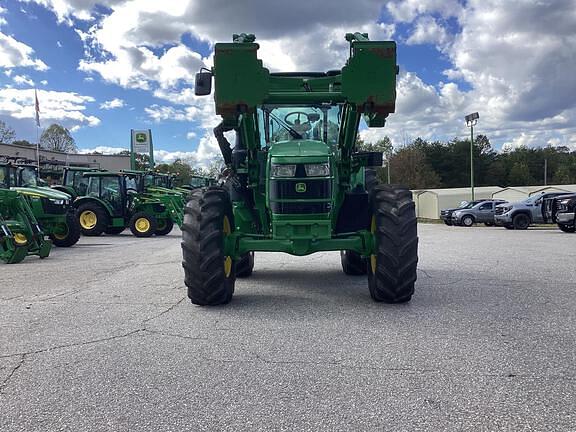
59,236
88,219
467,221
20,239
142,225
373,257
226,229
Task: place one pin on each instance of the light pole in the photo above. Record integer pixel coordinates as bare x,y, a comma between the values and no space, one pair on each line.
471,120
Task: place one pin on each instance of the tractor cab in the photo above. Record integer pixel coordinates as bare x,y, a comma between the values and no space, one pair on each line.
73,181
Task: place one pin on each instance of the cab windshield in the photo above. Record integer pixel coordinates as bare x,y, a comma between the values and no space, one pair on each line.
29,177
286,123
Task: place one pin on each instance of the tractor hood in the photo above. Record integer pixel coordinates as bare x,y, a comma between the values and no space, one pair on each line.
43,192
299,148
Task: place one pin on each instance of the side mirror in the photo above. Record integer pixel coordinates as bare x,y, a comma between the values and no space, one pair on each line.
203,85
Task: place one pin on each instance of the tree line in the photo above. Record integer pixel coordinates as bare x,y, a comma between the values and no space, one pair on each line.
425,164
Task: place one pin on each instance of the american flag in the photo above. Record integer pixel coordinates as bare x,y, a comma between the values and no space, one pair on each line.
37,108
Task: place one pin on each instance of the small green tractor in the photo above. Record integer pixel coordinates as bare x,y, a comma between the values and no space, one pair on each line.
294,181
52,209
174,201
20,234
200,182
113,201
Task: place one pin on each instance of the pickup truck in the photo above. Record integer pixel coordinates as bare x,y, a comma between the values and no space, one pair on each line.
446,214
520,215
566,214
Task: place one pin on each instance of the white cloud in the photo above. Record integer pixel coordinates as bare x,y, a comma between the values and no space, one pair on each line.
66,108
191,135
112,104
427,30
23,79
107,150
14,53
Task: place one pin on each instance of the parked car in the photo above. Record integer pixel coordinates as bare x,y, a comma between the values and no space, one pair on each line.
481,212
565,217
446,214
521,214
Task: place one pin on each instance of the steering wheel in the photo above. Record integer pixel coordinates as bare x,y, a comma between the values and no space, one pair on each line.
297,114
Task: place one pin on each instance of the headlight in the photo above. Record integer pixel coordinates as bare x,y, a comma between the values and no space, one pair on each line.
456,213
281,170
317,170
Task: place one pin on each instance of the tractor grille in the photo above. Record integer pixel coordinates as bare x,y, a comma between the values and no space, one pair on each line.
300,208
50,207
291,189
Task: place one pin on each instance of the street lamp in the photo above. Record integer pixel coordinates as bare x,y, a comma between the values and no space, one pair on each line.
471,120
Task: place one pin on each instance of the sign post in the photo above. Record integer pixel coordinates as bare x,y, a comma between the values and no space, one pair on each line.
141,142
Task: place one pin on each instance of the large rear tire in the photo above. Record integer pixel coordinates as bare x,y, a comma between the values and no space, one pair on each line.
70,235
93,219
245,265
208,273
392,269
352,263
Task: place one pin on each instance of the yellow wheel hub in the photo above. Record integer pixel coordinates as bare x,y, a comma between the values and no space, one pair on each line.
226,229
88,219
373,257
142,225
62,236
20,239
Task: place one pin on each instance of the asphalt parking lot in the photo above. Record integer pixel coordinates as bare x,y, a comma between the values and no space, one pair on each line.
101,337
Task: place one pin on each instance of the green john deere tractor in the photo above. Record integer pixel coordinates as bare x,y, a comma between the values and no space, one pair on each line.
52,209
73,181
113,201
174,201
200,182
295,181
20,234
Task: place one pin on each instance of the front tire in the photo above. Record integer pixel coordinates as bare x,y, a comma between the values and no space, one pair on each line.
467,221
352,263
165,227
143,225
489,224
447,222
567,228
93,219
521,221
71,233
245,265
392,269
208,273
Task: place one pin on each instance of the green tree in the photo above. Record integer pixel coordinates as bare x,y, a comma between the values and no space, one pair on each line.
7,133
563,175
58,138
409,167
22,143
520,175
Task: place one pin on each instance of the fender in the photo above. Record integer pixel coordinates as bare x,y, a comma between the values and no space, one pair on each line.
86,199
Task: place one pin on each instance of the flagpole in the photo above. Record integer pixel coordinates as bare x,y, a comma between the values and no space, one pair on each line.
37,112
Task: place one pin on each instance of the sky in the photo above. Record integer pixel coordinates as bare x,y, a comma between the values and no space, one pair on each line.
103,67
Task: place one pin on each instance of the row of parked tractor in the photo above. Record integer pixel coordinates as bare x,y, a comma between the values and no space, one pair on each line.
546,208
89,202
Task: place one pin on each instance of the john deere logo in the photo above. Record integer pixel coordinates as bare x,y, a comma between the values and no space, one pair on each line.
141,138
301,187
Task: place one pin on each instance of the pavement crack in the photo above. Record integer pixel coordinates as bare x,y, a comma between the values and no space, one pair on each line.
164,311
162,333
6,380
76,344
